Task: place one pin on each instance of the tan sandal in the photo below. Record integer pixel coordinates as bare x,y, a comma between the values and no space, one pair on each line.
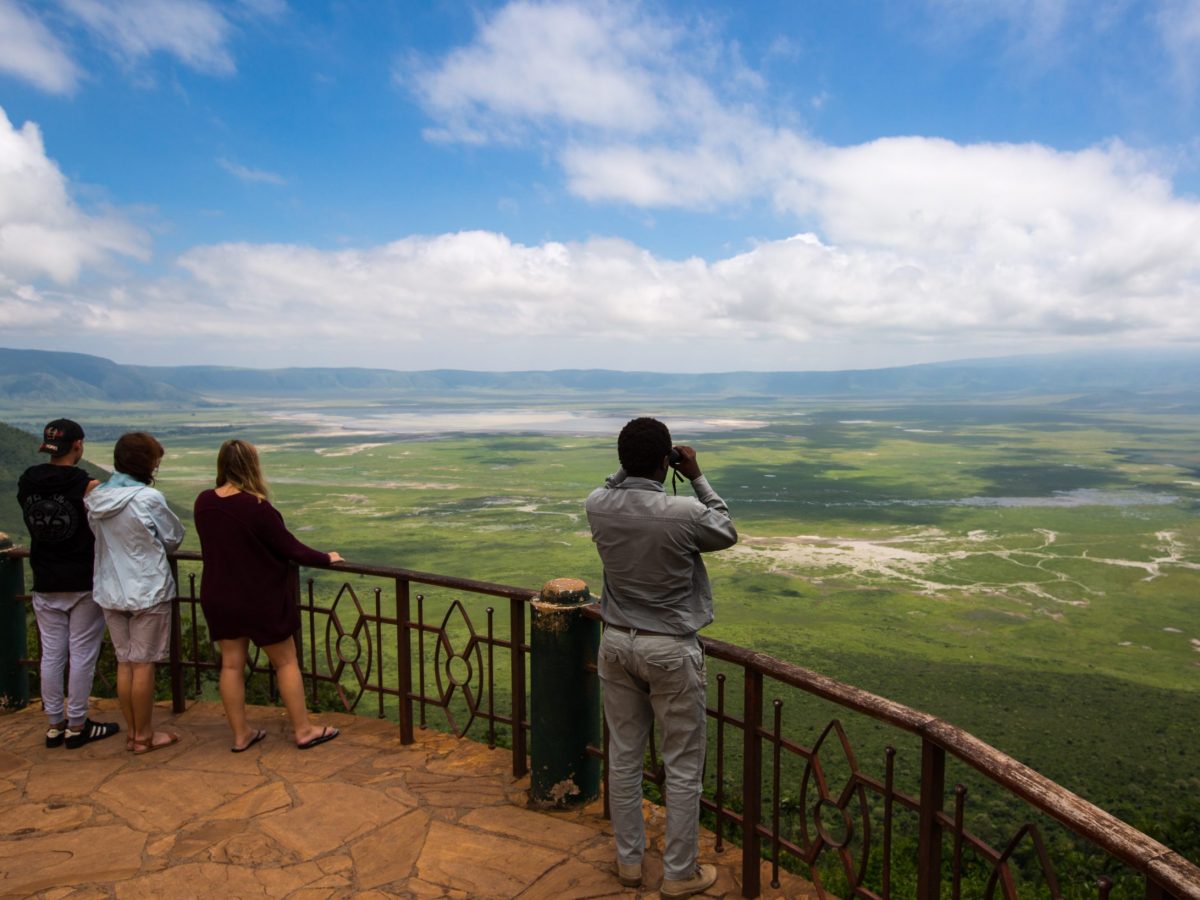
140,747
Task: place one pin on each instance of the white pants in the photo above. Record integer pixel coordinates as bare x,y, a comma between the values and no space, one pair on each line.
655,679
72,628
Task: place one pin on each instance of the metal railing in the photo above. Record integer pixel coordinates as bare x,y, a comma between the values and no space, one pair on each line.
449,666
774,794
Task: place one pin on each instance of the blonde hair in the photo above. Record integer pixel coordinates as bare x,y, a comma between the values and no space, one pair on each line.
237,465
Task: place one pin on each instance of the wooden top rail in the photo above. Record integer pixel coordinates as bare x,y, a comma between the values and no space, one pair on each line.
429,578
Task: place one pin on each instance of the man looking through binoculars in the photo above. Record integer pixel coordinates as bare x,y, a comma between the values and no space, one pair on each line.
656,598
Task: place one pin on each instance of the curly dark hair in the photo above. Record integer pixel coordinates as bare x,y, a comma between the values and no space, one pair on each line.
641,446
137,455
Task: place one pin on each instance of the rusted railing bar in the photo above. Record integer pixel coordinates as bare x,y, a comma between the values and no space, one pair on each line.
895,714
491,676
379,643
430,578
929,829
752,696
516,611
731,720
889,798
982,849
881,789
404,660
178,701
960,808
730,815
420,658
776,788
312,635
792,747
719,793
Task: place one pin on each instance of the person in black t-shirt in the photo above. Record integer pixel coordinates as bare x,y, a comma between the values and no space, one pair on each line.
61,550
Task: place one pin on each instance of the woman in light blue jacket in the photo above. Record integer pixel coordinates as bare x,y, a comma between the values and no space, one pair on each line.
135,530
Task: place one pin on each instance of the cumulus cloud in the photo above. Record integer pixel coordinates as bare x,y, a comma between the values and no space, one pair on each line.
245,173
600,66
1179,25
916,235
30,51
1035,26
194,31
43,233
465,291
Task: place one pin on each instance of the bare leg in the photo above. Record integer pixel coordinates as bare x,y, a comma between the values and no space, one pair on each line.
125,696
291,689
234,654
141,700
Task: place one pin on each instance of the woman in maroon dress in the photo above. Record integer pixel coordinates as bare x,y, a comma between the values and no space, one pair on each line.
246,592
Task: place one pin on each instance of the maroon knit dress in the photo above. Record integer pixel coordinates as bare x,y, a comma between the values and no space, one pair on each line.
246,589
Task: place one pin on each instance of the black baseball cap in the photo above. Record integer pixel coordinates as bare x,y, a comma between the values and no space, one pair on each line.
59,435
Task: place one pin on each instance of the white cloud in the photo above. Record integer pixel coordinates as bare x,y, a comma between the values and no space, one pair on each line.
193,30
30,51
1179,25
245,173
43,233
1035,25
917,236
473,298
579,65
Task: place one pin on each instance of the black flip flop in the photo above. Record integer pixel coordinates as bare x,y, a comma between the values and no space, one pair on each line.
258,736
327,734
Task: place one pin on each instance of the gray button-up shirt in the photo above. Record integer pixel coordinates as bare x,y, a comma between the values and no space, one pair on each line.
650,544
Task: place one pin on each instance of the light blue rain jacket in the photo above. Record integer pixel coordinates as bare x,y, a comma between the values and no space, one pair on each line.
135,530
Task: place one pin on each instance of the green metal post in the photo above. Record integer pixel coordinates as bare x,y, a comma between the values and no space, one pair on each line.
565,698
14,680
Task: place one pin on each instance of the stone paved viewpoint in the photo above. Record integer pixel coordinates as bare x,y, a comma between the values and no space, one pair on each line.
362,816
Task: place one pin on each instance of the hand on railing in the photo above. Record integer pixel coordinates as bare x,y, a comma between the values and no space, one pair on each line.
335,557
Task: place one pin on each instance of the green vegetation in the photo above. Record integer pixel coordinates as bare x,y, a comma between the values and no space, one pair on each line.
1026,569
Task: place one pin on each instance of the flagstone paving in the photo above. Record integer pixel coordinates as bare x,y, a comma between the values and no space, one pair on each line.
362,816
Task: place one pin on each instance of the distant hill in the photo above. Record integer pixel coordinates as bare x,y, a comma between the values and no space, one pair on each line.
1082,379
1134,373
52,377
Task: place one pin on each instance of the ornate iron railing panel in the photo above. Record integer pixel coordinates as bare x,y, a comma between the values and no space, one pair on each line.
380,645
818,809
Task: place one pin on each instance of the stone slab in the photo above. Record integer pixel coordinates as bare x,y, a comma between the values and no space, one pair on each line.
531,827
85,855
260,801
164,799
480,863
71,778
327,815
204,880
36,818
389,854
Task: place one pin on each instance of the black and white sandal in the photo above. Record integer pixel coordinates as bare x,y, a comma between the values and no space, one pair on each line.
90,731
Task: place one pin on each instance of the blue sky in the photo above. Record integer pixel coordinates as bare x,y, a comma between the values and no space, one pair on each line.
658,185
